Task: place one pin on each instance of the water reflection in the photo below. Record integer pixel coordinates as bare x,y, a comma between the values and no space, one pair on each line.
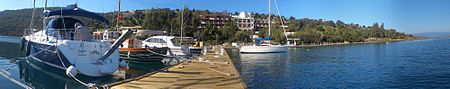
45,78
407,64
40,76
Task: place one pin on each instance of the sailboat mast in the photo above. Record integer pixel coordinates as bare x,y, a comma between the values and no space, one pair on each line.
182,16
281,20
43,20
269,21
269,17
45,7
32,19
118,17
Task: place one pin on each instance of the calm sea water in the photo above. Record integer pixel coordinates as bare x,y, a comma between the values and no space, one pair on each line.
38,76
407,64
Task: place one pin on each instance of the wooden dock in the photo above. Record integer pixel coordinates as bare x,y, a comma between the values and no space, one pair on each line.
212,71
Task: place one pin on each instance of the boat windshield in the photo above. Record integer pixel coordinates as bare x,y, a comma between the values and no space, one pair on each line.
155,40
56,27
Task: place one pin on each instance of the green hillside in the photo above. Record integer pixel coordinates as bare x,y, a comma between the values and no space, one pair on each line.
13,23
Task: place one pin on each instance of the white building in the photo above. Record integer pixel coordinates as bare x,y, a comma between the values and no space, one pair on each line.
245,21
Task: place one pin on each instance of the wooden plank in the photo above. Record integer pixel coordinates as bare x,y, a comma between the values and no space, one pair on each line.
195,74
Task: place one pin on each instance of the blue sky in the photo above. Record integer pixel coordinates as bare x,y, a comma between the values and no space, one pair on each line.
408,16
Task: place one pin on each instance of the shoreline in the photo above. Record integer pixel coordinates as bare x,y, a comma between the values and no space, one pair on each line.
332,44
368,42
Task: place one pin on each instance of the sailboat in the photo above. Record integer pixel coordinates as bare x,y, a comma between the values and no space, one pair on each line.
65,43
182,50
264,48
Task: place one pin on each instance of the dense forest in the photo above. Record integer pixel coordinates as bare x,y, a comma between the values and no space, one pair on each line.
13,23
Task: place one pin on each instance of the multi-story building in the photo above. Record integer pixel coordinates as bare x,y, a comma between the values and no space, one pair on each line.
245,21
216,20
261,23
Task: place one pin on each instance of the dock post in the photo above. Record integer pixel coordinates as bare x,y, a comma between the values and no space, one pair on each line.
221,50
205,50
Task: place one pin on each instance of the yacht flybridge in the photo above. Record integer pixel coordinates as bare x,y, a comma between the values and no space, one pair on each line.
66,43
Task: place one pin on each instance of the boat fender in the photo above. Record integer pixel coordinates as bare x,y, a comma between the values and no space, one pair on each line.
72,70
122,64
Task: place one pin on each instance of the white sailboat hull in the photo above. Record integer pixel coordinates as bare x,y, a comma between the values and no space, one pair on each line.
263,49
83,55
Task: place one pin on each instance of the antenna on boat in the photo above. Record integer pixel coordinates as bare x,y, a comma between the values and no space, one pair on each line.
118,18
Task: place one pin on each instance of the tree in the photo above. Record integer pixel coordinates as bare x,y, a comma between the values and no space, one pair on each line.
229,30
339,23
242,36
309,30
292,18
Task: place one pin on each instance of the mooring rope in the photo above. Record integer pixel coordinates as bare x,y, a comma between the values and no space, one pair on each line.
89,85
59,57
212,63
15,81
38,52
228,74
6,74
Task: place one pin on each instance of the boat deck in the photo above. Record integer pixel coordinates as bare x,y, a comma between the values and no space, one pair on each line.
216,71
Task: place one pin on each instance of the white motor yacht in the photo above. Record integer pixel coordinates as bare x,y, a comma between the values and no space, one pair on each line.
167,41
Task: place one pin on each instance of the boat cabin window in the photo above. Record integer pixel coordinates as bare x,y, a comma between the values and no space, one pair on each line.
155,40
55,27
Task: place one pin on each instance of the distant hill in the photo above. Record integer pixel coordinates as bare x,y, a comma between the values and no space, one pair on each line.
14,22
432,34
315,31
